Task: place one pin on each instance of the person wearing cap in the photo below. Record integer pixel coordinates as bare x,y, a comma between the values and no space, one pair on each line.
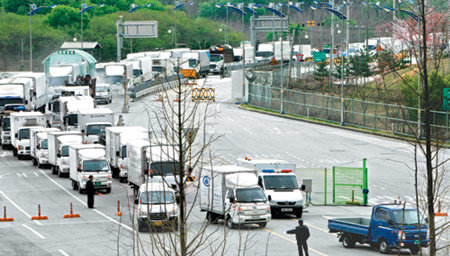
301,234
90,191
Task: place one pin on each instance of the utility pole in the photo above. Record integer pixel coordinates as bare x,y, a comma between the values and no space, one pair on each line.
119,38
31,40
330,74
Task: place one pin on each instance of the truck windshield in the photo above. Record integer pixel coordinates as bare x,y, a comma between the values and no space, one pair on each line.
65,151
264,54
157,197
6,125
24,134
280,182
165,168
124,151
94,129
101,89
410,217
215,57
158,69
72,119
248,195
8,100
192,63
95,165
57,81
44,144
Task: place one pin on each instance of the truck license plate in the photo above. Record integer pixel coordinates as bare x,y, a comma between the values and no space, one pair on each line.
286,209
97,183
416,241
157,223
255,217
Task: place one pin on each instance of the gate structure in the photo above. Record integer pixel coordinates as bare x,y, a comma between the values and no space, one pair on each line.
350,185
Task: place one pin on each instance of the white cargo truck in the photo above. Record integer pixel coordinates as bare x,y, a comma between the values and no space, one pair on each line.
69,108
87,160
5,132
116,147
195,63
280,185
157,207
92,121
232,193
103,93
21,122
264,53
147,163
39,146
58,150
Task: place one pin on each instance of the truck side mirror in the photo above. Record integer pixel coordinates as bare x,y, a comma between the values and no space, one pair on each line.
232,200
302,188
58,155
15,136
79,168
82,130
38,147
269,197
426,220
117,153
390,222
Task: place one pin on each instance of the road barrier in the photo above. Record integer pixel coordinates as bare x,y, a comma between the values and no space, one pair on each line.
203,94
5,219
39,217
439,213
71,215
119,213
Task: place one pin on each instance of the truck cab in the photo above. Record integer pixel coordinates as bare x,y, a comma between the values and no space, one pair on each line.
86,160
39,146
92,121
280,184
103,93
157,207
390,226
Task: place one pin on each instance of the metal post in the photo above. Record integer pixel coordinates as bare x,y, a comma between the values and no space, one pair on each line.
119,37
82,14
131,39
175,32
418,83
31,41
342,84
226,28
281,61
325,187
330,76
243,56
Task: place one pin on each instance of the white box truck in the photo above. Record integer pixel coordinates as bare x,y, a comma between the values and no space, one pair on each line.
69,108
5,131
195,64
116,147
232,193
87,160
157,207
58,150
92,121
280,185
264,53
21,122
147,163
39,146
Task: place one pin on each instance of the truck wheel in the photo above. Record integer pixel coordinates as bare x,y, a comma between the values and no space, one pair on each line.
123,180
14,152
414,250
212,217
74,185
347,241
383,246
142,226
54,171
108,190
19,157
60,174
230,223
262,225
35,162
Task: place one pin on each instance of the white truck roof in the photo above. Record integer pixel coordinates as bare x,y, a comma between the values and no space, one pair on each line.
70,139
235,176
95,111
26,114
155,186
91,153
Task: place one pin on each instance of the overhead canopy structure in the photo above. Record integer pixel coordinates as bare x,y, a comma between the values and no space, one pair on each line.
69,57
77,45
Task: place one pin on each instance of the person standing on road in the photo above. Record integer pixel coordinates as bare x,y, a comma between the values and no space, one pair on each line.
90,191
301,234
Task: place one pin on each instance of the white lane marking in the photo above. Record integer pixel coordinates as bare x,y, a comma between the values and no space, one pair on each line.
37,175
19,174
24,175
18,207
220,103
277,131
63,252
247,130
83,203
34,231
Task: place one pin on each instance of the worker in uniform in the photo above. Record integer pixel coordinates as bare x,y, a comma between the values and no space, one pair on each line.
301,234
90,191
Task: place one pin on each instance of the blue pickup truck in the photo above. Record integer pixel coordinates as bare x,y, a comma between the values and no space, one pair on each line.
390,226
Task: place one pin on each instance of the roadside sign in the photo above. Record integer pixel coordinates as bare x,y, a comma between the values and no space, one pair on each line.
299,57
273,61
379,48
319,56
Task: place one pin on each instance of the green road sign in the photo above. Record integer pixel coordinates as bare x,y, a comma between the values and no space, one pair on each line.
319,56
446,99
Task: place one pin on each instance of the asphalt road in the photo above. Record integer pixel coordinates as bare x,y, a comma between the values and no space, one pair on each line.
243,133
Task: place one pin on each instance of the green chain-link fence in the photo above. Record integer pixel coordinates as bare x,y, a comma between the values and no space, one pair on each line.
350,185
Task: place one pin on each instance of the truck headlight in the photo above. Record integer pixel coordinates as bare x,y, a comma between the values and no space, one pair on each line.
109,177
20,147
173,212
401,235
268,209
240,211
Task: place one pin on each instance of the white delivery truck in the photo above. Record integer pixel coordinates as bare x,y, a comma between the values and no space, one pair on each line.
92,121
11,93
177,53
142,69
303,49
280,184
86,160
113,72
58,150
195,63
148,163
163,65
232,193
157,207
39,146
103,93
21,122
264,53
69,106
5,132
38,89
116,147
282,51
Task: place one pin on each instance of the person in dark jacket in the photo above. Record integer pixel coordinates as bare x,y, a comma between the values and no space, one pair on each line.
301,234
90,191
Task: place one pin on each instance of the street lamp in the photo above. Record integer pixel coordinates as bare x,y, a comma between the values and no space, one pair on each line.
226,27
178,5
33,11
85,8
133,8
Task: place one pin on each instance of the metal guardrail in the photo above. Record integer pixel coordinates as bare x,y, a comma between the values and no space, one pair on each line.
154,86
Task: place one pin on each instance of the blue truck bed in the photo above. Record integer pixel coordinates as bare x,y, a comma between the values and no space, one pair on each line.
358,226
